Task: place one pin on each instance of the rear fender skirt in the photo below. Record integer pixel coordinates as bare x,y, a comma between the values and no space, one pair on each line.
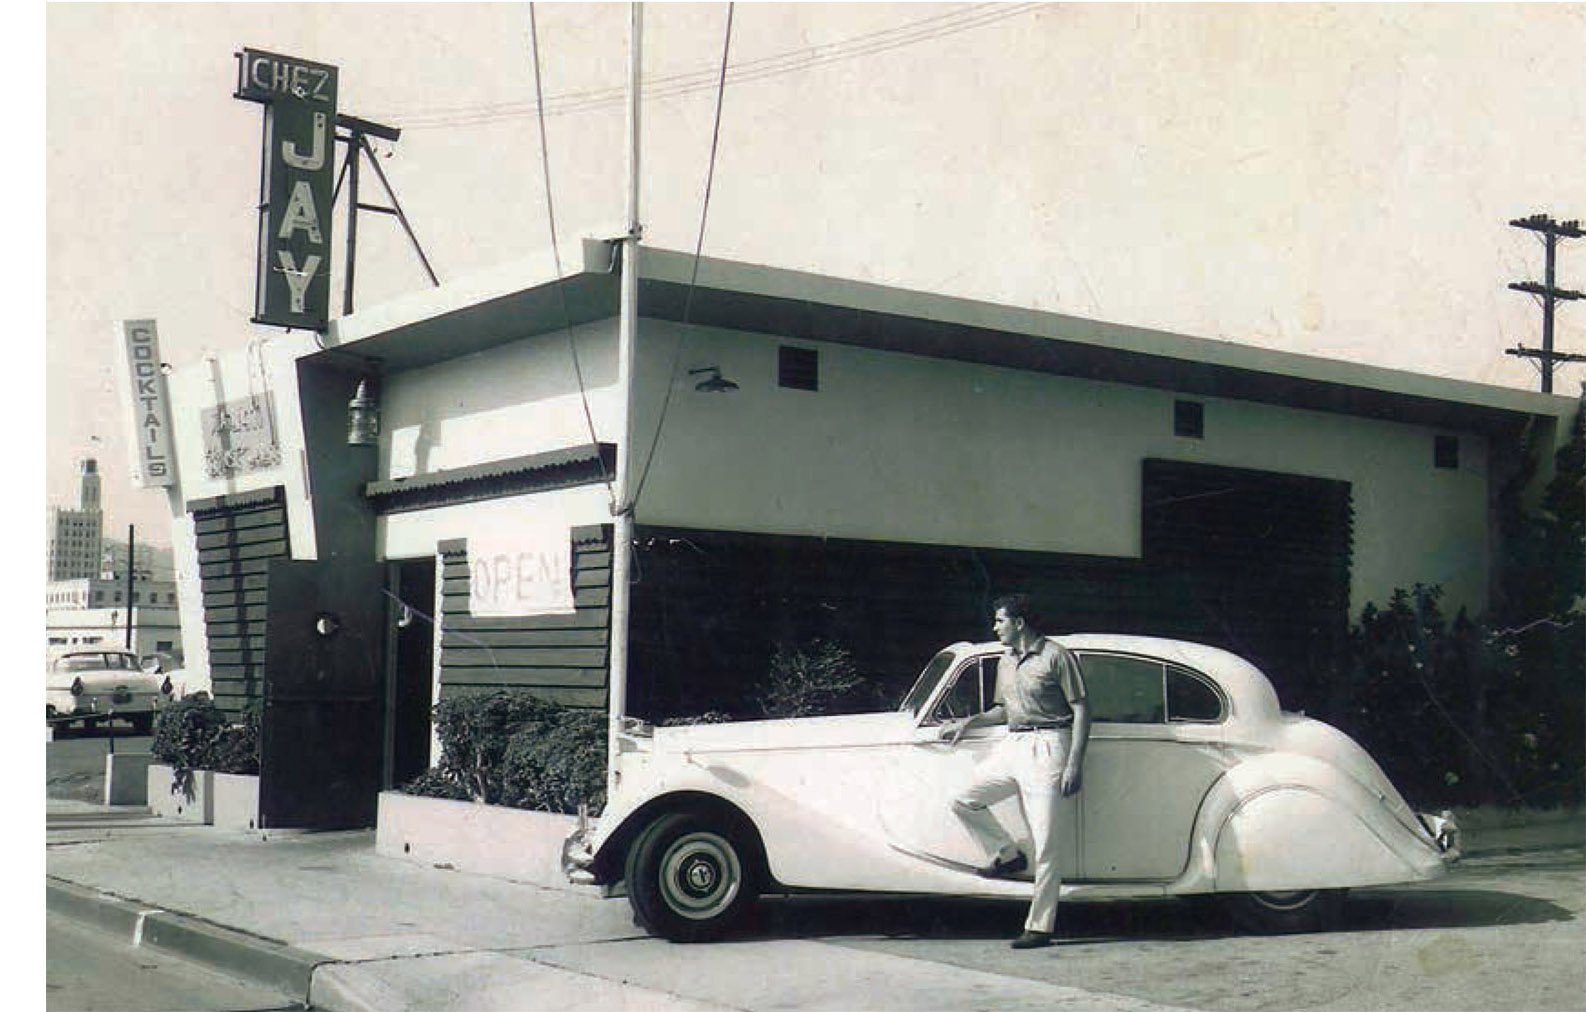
1283,822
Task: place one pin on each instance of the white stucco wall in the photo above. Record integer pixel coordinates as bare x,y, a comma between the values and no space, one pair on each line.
518,399
904,448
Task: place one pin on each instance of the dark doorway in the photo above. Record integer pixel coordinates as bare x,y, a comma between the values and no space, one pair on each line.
410,674
320,751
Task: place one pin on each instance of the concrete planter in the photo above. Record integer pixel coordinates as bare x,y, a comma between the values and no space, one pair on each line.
228,800
235,803
490,840
127,778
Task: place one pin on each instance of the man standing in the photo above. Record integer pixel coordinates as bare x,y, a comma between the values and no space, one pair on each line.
1040,695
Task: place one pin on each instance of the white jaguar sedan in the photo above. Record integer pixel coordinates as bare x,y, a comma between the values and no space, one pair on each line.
1195,782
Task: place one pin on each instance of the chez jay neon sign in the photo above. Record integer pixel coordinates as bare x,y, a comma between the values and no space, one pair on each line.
292,287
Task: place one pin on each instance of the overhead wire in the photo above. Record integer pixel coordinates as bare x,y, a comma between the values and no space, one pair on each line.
556,258
867,44
699,245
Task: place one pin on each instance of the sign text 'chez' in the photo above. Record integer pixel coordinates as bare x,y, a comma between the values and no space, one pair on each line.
292,288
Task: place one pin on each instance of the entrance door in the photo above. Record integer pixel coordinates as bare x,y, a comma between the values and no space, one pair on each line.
410,678
320,740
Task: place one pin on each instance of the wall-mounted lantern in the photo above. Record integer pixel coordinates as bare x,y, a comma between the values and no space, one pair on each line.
363,418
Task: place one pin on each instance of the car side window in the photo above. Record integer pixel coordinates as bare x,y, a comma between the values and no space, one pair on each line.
972,690
1191,699
1123,690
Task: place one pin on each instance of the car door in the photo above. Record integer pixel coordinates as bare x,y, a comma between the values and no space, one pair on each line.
1156,747
915,811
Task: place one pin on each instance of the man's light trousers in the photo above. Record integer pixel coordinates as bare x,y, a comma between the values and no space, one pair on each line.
1028,764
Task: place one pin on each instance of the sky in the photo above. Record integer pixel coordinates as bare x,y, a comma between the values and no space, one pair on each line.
1330,180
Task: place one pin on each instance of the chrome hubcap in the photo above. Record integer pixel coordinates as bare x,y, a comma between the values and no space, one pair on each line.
700,875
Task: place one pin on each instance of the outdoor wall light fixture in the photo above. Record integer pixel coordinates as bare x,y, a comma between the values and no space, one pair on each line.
363,418
327,624
712,384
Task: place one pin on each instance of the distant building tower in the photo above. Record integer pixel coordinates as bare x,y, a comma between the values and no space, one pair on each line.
75,536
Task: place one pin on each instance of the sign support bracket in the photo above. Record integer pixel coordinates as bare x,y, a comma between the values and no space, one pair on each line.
358,132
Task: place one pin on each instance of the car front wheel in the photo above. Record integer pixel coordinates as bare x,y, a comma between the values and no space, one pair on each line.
692,876
1297,910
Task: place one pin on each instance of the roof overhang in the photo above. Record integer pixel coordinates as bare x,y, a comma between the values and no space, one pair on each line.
527,299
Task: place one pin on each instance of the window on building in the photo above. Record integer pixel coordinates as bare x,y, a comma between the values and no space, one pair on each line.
1445,453
798,368
162,646
1189,419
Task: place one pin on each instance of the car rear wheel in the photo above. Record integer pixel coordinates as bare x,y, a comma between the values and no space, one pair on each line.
692,876
1280,912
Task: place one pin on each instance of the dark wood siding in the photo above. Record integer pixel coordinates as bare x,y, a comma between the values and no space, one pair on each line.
562,658
237,537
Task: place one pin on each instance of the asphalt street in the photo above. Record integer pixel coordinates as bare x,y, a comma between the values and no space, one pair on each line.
89,971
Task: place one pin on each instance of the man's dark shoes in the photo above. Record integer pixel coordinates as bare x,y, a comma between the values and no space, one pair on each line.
1032,940
1000,868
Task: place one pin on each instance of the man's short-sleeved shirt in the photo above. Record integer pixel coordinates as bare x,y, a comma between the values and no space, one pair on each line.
1039,687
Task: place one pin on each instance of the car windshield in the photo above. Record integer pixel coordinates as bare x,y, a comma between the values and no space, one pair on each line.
927,682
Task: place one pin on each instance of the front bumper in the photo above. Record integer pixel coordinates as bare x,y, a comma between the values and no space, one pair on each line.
578,853
1444,831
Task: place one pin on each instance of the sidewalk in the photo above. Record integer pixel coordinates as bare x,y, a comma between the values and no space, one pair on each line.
330,923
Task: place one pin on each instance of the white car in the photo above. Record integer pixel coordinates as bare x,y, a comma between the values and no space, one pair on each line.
1195,782
96,685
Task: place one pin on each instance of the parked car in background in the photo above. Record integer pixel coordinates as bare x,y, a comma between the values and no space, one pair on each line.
91,686
1195,782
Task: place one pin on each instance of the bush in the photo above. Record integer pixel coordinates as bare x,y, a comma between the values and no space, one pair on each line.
474,732
808,681
195,734
1454,713
513,749
556,764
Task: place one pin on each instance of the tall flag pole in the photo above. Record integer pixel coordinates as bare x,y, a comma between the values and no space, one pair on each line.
627,331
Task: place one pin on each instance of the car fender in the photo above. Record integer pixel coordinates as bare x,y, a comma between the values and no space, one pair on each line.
1282,821
803,848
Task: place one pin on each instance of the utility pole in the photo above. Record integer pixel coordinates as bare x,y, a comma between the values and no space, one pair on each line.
1548,293
130,533
627,334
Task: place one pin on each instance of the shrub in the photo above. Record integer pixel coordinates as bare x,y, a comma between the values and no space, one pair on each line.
195,734
810,680
474,731
555,764
510,748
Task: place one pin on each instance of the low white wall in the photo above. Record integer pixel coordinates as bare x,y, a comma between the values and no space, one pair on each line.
234,801
168,805
490,840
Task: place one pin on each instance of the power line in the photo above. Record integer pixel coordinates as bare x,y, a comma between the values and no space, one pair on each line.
869,44
556,259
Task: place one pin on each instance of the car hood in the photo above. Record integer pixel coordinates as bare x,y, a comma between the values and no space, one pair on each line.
796,732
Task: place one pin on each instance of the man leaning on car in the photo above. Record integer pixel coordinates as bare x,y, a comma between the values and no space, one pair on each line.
1040,695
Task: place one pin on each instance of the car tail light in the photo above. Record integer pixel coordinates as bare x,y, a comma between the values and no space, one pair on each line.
77,686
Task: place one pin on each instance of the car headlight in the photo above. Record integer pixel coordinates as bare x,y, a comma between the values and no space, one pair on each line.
77,686
165,686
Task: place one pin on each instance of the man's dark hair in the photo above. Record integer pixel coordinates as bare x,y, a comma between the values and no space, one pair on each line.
1018,606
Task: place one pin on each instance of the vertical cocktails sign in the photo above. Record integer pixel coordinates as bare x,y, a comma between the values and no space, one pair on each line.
299,99
150,405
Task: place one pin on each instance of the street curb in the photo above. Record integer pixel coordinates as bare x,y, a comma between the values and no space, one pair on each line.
271,964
